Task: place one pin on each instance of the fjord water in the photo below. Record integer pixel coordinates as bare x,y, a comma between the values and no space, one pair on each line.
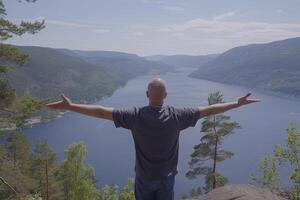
111,150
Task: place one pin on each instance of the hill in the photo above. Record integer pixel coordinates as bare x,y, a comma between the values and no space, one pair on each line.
273,67
123,64
50,72
182,60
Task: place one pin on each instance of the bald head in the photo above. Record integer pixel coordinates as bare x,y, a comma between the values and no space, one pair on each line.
156,91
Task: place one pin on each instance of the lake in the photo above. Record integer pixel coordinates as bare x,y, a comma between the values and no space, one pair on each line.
111,150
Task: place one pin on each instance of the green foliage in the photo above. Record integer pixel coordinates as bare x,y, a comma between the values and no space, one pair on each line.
269,168
269,173
112,192
17,115
77,178
8,29
33,197
195,192
215,129
127,193
290,154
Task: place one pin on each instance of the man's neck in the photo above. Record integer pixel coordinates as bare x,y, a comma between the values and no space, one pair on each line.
156,104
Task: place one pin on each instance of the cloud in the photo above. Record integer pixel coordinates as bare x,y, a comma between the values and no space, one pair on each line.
221,27
58,22
101,31
172,8
78,24
70,24
225,15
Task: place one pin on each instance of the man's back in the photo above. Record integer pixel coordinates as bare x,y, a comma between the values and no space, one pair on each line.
156,136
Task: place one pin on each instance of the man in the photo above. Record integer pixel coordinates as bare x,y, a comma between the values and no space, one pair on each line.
155,129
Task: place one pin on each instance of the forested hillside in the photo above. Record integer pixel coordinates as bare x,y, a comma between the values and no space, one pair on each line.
84,76
273,67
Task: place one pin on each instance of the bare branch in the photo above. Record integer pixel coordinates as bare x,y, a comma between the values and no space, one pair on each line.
8,185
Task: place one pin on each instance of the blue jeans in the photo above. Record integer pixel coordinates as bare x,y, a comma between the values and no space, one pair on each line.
154,190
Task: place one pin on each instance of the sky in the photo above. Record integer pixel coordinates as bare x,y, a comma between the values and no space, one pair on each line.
152,27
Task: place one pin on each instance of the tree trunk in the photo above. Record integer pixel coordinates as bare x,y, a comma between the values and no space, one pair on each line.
215,155
47,180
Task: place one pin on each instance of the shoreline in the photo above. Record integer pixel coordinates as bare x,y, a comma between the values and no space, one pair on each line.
266,92
31,122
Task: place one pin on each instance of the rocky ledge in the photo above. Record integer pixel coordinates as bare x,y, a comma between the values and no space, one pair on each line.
240,192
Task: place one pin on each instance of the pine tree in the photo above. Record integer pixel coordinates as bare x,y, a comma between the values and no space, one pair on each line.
77,178
44,167
15,168
209,151
12,110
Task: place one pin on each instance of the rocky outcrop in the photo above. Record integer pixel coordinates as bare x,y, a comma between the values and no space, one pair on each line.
240,192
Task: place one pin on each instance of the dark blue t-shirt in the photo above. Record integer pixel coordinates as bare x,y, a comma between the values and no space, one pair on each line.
155,131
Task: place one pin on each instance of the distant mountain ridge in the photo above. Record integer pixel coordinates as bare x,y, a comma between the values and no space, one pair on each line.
183,61
123,64
272,67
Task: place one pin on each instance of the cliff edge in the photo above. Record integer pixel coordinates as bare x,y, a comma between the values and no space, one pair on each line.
240,192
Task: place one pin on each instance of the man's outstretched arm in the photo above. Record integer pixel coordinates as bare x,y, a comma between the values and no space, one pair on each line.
222,107
91,110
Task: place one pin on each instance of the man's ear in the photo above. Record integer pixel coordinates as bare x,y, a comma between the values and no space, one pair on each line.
147,94
166,94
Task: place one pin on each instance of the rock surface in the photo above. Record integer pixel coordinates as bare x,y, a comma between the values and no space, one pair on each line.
240,192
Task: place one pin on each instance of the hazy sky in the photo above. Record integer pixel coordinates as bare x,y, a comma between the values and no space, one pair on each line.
148,27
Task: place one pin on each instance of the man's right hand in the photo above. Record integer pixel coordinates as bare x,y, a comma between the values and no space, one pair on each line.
65,103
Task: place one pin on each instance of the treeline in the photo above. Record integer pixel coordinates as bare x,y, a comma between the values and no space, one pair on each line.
27,174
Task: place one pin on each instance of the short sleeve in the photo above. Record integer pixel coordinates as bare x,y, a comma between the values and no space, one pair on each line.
125,118
187,117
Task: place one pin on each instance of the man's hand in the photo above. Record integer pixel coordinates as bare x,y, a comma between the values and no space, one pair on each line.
244,100
222,107
65,103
